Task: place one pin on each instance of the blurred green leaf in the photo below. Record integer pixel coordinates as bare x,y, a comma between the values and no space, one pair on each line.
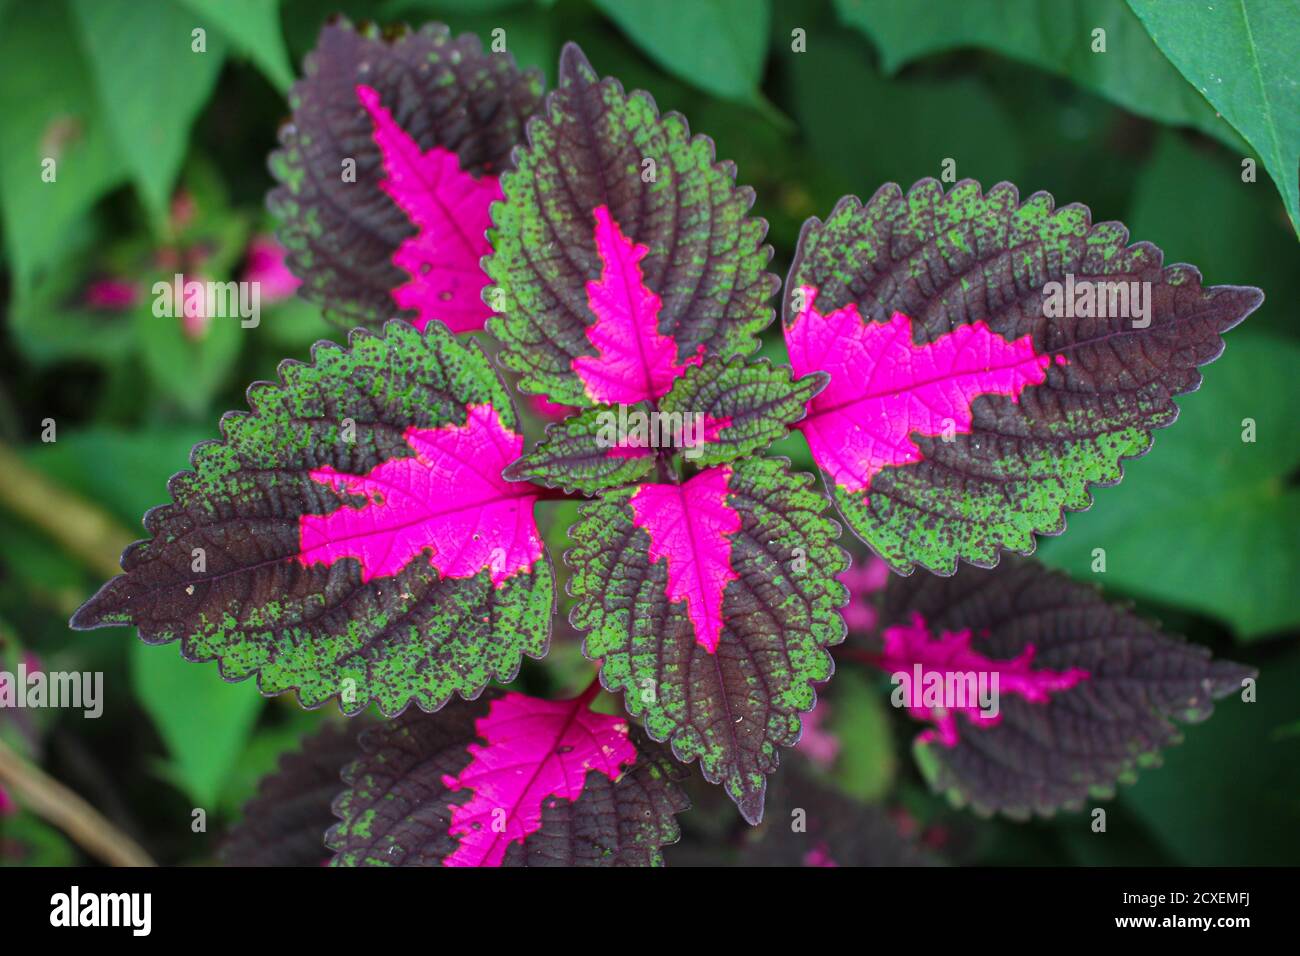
395,8
189,370
892,134
49,110
1206,520
1057,37
44,574
302,20
1250,243
717,45
1126,841
124,472
253,28
295,325
26,840
204,721
529,31
151,85
49,322
189,365
530,38
789,184
1286,731
866,763
1229,795
1245,59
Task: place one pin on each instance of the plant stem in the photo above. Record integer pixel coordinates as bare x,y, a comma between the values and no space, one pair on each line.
84,530
664,465
593,689
558,494
51,800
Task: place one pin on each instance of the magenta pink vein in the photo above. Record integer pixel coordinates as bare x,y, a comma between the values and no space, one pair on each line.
910,650
690,526
884,388
448,499
534,750
633,361
450,210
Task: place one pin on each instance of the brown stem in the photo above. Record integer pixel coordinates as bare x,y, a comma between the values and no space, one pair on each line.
557,494
593,689
83,529
52,801
664,465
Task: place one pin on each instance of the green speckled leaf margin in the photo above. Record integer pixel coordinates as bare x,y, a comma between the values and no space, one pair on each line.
443,91
758,399
949,260
413,637
585,149
735,708
396,810
1045,757
574,457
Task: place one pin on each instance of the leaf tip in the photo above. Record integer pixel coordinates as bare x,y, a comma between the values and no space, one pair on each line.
575,68
100,610
1242,300
750,806
521,469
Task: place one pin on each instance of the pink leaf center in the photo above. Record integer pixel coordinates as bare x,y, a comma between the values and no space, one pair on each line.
634,362
690,526
448,498
939,677
534,750
449,207
884,388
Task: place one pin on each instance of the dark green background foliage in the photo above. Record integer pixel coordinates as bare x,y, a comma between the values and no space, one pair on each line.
1202,534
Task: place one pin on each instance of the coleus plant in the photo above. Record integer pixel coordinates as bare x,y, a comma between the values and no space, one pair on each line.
368,531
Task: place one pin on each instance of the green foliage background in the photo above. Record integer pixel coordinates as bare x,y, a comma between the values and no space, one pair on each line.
1203,534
